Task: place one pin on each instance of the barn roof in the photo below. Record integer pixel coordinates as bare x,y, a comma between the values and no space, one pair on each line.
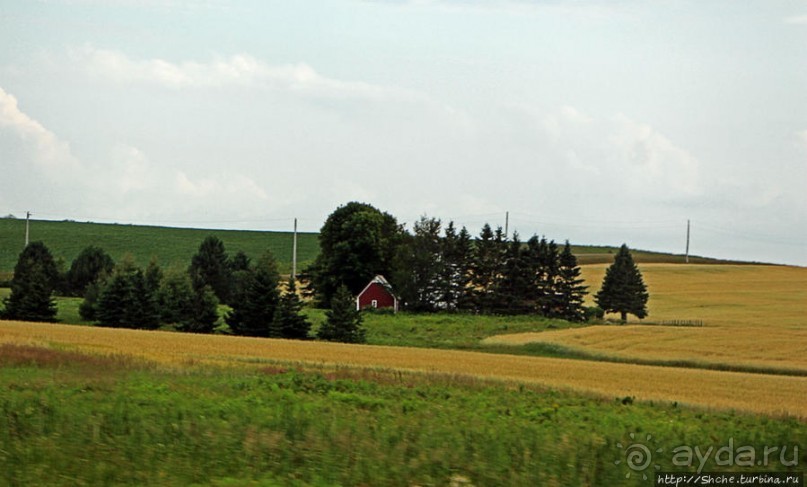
379,279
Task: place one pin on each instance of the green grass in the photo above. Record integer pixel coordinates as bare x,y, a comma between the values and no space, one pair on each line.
456,331
72,419
173,247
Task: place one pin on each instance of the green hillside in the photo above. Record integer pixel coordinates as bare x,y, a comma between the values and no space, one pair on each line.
171,246
175,246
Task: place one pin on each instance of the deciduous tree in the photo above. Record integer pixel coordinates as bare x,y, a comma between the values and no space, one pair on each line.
357,242
90,265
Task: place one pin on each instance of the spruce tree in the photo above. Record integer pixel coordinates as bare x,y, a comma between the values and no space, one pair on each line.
204,312
547,294
35,278
623,290
289,322
344,321
191,310
128,301
569,287
488,256
210,267
455,271
512,291
418,266
254,309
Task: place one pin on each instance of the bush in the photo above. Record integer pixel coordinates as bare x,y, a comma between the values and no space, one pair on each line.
594,313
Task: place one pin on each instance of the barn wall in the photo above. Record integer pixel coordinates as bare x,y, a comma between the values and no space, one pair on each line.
379,293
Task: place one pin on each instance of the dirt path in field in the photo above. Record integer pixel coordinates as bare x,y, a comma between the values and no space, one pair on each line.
774,395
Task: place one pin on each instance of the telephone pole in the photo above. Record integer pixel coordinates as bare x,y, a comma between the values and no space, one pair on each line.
687,251
506,223
27,226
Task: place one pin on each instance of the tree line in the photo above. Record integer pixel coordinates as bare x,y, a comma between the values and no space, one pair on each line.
124,295
433,267
437,267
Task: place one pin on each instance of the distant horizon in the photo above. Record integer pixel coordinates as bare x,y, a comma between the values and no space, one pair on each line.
474,235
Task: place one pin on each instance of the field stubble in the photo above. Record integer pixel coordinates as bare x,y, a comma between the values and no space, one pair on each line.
773,395
755,316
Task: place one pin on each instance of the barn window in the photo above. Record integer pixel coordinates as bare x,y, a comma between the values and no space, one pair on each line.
374,303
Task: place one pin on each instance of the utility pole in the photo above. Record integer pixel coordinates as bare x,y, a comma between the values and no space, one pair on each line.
294,253
506,223
27,226
687,252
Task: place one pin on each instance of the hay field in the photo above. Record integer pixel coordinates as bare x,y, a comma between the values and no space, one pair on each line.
773,395
754,316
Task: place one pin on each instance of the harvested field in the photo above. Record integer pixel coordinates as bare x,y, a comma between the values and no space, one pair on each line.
754,316
773,395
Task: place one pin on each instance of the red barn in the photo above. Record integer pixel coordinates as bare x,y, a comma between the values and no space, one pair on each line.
377,294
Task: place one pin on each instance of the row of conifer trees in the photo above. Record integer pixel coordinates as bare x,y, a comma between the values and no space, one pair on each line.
448,270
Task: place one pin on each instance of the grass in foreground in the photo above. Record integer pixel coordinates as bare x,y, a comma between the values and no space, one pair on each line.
68,418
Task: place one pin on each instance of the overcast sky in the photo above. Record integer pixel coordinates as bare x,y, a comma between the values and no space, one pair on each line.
601,122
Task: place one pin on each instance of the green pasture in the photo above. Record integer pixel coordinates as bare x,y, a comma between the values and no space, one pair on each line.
69,419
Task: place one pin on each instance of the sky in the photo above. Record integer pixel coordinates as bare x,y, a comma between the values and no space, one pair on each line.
600,122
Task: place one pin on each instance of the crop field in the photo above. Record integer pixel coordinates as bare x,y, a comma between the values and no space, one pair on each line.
774,395
173,247
754,316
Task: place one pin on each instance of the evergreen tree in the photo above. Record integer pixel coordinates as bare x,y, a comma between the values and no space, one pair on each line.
548,300
153,276
254,310
455,273
344,321
128,301
35,278
513,290
191,310
488,256
569,287
623,290
209,267
289,322
419,266
176,298
91,264
204,312
89,306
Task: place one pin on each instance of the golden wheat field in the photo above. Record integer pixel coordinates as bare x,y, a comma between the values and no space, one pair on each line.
774,395
753,316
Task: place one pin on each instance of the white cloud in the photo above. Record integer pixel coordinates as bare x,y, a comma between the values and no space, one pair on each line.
48,151
237,70
616,152
796,19
801,137
653,158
